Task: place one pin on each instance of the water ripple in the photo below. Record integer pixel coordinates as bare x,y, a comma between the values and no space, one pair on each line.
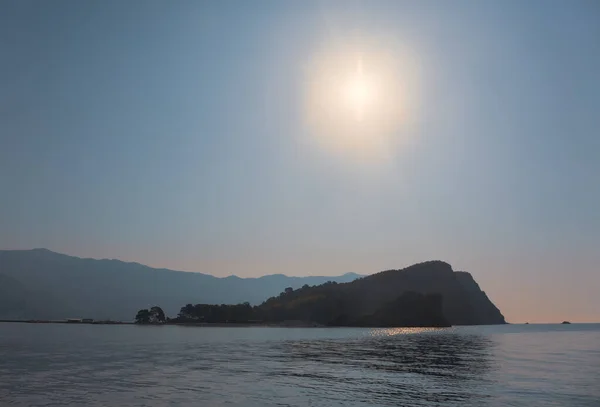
48,365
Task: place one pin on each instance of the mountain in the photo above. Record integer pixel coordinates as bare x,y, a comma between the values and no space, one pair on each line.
374,299
41,284
13,297
19,302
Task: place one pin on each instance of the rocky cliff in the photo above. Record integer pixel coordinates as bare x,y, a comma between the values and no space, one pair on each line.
463,303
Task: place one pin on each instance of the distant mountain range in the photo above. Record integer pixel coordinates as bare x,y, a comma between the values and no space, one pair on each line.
41,284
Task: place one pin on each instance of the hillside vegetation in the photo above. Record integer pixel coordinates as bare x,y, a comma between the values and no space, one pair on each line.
425,294
414,292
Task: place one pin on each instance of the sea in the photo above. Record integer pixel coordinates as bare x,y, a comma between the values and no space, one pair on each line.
128,365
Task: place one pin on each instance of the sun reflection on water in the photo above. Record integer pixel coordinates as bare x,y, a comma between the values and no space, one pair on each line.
384,332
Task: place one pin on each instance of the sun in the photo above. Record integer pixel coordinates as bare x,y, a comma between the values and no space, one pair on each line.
357,100
359,92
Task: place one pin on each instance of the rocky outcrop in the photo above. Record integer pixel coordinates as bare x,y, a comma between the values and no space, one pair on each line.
482,308
462,301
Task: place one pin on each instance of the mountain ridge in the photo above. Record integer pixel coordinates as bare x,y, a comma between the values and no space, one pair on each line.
62,286
111,288
45,250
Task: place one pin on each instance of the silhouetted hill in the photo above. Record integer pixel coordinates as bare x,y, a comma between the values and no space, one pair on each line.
13,297
40,284
483,309
333,304
462,302
44,284
325,304
19,302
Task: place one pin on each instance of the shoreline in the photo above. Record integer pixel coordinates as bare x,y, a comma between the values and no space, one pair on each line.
289,324
184,324
64,321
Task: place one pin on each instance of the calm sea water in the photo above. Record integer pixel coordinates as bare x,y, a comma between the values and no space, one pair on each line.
90,365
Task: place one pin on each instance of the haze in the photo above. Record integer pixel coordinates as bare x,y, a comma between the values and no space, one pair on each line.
190,135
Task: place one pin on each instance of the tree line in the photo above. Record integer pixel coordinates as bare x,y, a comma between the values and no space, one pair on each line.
329,304
225,313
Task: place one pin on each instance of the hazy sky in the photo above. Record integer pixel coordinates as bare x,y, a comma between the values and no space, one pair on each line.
180,135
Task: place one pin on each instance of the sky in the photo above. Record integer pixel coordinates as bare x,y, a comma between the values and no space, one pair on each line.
201,136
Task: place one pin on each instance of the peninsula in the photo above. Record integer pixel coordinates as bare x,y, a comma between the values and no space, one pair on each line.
427,294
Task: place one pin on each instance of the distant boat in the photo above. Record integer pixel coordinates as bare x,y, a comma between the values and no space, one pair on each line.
566,323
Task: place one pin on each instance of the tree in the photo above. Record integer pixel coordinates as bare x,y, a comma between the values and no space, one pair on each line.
154,315
186,312
157,315
217,313
142,317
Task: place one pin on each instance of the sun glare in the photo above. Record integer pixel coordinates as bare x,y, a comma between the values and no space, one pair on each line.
359,101
358,92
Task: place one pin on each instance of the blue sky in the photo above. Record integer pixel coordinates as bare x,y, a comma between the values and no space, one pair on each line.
174,134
